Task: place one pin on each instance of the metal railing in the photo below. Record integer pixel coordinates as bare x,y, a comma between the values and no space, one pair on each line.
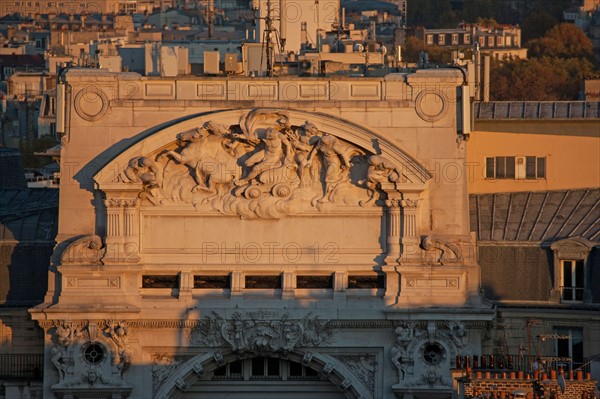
21,366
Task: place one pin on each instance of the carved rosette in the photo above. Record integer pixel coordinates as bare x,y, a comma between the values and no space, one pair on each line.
261,333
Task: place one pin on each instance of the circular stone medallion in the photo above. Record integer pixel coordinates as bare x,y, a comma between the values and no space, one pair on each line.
91,104
431,105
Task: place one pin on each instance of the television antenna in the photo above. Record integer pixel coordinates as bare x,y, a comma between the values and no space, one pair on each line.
271,39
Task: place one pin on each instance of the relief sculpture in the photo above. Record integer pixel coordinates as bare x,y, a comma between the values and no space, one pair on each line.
263,167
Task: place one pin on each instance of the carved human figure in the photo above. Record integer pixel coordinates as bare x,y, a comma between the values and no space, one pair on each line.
398,353
276,149
65,334
380,171
305,146
144,170
117,332
459,333
336,162
58,359
207,156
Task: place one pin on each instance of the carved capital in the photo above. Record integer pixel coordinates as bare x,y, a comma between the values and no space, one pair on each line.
121,203
409,204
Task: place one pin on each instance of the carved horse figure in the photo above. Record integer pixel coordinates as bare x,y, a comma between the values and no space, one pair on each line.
209,158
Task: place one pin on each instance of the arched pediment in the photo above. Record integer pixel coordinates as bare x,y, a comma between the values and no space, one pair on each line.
262,163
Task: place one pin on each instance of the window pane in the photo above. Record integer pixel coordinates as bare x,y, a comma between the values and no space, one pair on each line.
211,282
579,274
258,367
263,282
272,366
158,281
375,281
323,282
530,167
567,280
295,369
510,167
541,168
235,367
489,168
221,371
500,170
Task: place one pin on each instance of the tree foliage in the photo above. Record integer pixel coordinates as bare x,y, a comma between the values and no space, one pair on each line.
539,79
563,40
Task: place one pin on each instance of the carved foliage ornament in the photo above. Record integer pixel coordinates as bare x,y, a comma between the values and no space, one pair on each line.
90,354
263,167
261,333
415,352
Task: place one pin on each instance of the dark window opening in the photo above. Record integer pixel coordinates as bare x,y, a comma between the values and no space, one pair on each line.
230,371
316,282
258,282
160,281
374,281
301,372
208,282
265,367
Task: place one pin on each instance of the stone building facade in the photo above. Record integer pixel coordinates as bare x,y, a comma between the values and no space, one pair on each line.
259,236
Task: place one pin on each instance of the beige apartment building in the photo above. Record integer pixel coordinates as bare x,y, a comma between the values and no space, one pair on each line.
534,146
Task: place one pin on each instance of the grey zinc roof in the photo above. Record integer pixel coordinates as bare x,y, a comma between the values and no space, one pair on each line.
536,216
28,214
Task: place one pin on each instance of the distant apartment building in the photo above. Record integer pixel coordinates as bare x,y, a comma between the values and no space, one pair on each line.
502,41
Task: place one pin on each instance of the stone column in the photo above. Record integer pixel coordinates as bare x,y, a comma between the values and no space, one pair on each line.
410,231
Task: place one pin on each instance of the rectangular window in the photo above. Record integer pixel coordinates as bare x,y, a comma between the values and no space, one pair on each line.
572,280
429,39
263,282
455,38
467,38
441,39
515,167
569,346
265,368
230,371
491,41
499,41
212,282
160,281
314,282
373,281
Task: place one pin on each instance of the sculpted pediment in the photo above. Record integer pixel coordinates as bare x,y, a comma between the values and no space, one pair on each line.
263,163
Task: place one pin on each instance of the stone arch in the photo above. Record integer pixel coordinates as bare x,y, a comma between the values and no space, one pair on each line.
367,139
333,369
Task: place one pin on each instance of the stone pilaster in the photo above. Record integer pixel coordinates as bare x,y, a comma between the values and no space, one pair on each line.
393,229
410,231
122,238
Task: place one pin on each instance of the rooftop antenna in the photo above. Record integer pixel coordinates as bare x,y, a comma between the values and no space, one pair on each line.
270,39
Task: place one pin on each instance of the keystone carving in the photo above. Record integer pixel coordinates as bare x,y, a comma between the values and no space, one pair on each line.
261,333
